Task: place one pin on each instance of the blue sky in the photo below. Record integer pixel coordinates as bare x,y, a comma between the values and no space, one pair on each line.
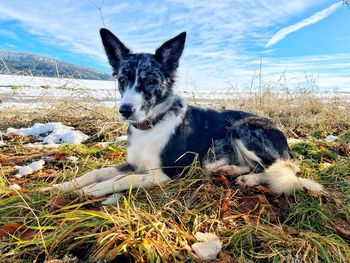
298,40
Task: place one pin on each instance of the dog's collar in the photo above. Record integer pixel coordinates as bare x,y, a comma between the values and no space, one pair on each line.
177,106
149,123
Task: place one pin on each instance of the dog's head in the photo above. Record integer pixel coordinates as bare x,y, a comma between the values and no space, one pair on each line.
144,80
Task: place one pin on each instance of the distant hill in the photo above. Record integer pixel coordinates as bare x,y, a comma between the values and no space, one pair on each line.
36,65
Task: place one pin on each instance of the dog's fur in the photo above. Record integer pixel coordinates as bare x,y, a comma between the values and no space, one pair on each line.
165,134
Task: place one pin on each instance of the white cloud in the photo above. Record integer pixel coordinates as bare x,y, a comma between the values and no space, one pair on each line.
219,33
282,33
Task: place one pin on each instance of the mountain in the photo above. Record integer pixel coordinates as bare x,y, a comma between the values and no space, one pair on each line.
20,63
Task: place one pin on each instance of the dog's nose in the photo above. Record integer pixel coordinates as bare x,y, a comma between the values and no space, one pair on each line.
126,110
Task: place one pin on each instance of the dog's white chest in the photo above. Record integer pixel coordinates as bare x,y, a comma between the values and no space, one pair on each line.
145,147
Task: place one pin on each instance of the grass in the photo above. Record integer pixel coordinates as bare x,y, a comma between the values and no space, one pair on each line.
158,225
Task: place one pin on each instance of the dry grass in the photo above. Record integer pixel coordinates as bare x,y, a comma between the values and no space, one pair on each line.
158,225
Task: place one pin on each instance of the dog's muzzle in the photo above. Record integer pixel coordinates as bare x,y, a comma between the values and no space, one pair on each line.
126,110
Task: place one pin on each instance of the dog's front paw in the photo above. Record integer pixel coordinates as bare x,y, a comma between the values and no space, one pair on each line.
63,187
248,180
112,199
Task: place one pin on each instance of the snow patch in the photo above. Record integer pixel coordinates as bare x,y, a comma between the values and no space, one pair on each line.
15,187
292,140
39,146
29,169
51,133
209,246
331,138
122,138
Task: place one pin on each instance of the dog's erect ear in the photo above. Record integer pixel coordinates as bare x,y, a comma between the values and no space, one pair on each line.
114,48
170,52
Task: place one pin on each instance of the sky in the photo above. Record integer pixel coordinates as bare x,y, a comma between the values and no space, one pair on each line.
235,44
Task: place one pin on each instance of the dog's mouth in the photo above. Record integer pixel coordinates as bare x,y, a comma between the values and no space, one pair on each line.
133,118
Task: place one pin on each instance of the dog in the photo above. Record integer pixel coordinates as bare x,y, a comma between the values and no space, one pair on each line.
165,135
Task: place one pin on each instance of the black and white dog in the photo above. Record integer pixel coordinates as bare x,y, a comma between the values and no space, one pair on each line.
165,134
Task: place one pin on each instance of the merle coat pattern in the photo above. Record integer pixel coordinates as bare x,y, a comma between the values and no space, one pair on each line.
165,134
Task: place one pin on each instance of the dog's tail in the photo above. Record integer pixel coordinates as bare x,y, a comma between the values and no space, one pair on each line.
281,177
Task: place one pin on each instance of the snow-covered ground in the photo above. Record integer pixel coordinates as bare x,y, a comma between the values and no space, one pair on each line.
39,91
35,92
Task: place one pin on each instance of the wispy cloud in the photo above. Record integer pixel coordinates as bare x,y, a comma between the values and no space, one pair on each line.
224,38
216,31
8,34
282,33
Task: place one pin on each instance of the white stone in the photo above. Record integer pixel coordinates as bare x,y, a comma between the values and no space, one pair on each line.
73,159
30,168
209,246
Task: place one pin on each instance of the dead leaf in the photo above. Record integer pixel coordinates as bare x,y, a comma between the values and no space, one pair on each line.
345,232
60,202
221,179
299,133
224,208
321,147
262,199
290,230
327,159
282,206
114,155
264,190
49,171
57,156
11,161
18,191
9,229
248,204
18,181
29,234
227,258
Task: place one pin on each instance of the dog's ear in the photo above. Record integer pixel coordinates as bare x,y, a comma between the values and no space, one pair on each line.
170,52
114,48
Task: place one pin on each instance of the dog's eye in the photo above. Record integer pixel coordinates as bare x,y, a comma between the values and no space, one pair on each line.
151,82
122,79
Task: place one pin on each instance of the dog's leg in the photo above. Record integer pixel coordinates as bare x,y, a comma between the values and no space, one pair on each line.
234,169
222,165
213,167
124,182
92,177
249,180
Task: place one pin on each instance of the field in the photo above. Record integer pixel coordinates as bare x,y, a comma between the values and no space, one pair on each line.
158,224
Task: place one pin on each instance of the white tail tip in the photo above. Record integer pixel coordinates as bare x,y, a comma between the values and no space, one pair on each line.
281,178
